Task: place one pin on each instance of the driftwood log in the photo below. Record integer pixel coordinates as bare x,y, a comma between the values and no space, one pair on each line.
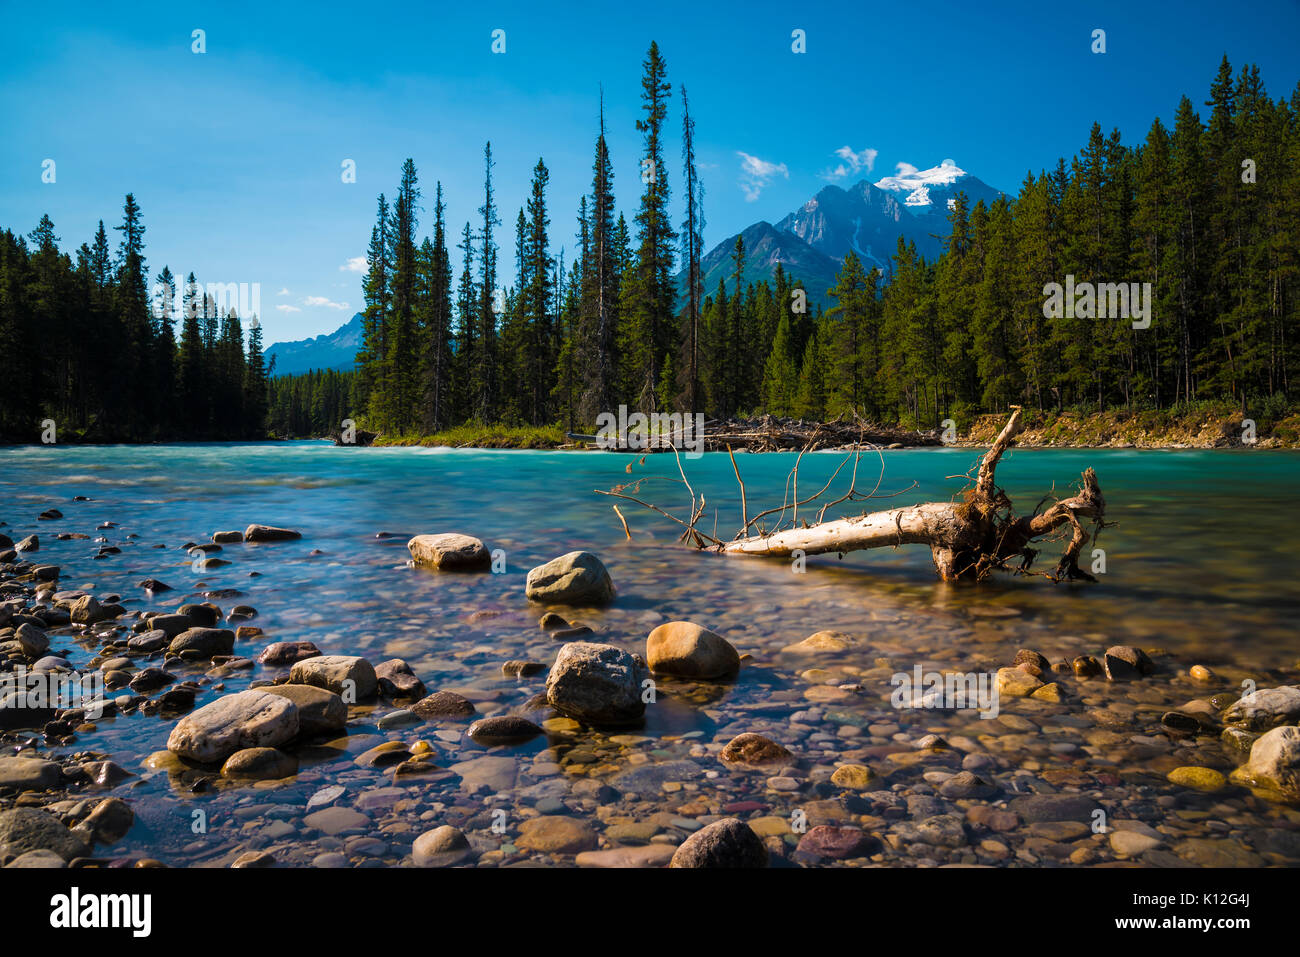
968,538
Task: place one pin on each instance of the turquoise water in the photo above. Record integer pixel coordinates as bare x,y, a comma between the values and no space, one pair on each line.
1200,564
1200,557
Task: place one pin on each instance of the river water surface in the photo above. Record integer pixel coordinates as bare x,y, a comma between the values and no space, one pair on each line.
1199,567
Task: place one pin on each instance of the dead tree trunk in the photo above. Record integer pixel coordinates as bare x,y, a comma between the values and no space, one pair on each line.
968,539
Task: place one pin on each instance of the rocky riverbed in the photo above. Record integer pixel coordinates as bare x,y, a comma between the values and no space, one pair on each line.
446,712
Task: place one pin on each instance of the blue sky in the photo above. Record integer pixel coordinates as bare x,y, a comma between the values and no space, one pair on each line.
235,154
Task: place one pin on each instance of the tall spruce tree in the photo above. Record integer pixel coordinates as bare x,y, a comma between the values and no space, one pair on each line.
651,292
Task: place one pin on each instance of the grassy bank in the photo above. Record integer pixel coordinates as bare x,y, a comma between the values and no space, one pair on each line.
476,436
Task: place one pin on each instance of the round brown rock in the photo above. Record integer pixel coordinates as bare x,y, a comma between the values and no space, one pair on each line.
443,704
441,847
722,844
838,843
685,650
503,729
555,834
754,750
287,653
319,711
260,763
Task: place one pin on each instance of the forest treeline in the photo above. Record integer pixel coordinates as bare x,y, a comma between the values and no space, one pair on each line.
90,350
1206,211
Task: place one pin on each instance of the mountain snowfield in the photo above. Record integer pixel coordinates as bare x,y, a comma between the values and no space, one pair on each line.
810,244
916,183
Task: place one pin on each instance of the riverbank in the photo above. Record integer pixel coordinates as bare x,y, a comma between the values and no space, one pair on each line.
1215,426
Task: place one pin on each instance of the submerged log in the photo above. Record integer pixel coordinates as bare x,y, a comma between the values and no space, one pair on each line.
968,538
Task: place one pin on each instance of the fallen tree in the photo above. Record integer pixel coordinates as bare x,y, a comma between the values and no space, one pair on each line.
968,538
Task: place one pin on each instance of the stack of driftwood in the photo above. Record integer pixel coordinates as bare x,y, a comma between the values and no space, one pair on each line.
770,434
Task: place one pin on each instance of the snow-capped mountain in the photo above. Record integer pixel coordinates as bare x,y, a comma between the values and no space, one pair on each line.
929,192
866,219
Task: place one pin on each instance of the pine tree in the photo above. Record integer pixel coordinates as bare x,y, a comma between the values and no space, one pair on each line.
692,250
535,292
400,363
255,393
651,292
190,378
598,332
486,370
433,268
465,363
131,406
377,293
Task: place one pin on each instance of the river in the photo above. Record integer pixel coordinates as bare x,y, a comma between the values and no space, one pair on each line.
1198,569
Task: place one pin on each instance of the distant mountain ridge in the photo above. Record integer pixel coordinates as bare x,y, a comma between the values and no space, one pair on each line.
810,244
336,350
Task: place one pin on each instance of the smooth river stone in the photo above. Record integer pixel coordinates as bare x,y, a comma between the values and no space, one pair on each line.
821,641
578,578
24,829
287,652
269,533
335,820
1265,708
1274,763
27,774
348,675
441,847
497,773
249,719
754,750
648,855
554,834
683,649
449,551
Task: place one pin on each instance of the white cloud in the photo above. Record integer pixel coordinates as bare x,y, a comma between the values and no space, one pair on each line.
284,308
284,291
355,264
851,163
756,173
323,301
